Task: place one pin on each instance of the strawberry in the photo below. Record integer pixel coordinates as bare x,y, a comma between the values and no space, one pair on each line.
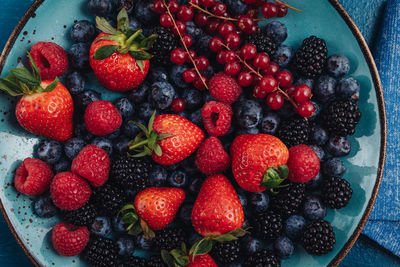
258,161
211,157
180,257
118,57
303,164
153,209
69,240
204,260
168,139
46,107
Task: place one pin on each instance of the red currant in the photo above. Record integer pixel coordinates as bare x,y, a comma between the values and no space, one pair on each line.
253,29
212,26
202,63
232,40
269,10
173,6
225,28
192,54
189,75
166,20
248,51
201,19
275,100
306,109
272,69
181,26
159,6
232,69
245,23
199,83
250,2
216,44
187,39
302,93
261,61
219,9
268,83
282,11
185,13
258,92
221,57
245,79
230,56
284,78
178,105
290,90
207,3
195,2
178,56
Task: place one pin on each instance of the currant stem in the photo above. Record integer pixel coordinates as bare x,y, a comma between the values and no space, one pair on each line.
288,6
183,43
211,14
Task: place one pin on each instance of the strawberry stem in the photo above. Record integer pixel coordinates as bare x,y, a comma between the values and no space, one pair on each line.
133,37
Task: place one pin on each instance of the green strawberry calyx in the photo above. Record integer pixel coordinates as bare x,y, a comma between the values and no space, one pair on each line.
135,225
177,257
146,142
130,41
274,177
21,81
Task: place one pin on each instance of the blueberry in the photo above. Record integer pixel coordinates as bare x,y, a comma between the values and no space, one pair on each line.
159,74
306,81
50,151
258,202
277,31
174,166
175,75
86,97
338,146
189,165
127,4
130,193
254,130
121,144
294,225
114,134
131,129
337,65
283,247
134,23
270,123
207,97
144,12
79,56
249,245
348,88
185,213
195,31
101,226
75,82
333,167
81,132
324,89
209,72
142,243
318,135
145,111
162,94
125,107
158,176
61,166
196,118
202,46
73,146
283,55
83,31
319,151
315,182
126,246
195,185
44,207
236,6
118,224
140,93
104,143
317,110
242,199
178,179
248,113
313,208
99,7
286,111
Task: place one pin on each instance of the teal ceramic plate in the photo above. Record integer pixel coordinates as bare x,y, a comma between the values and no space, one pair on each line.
50,20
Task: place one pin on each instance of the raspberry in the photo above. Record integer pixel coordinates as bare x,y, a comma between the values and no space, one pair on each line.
224,88
303,164
69,240
69,191
102,118
50,58
93,164
32,177
217,117
211,158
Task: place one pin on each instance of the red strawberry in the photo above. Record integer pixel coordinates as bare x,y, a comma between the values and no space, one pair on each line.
168,139
69,191
224,88
51,59
211,158
118,57
204,260
102,118
69,240
32,177
180,257
217,117
257,161
303,164
93,164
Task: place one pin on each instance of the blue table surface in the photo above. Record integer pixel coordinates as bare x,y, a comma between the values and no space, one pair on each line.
365,252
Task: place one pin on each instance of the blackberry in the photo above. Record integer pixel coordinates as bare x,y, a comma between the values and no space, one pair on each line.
289,199
310,58
267,226
164,44
263,42
130,173
108,200
156,261
133,261
341,117
169,238
83,216
336,192
294,131
227,252
263,258
318,237
101,252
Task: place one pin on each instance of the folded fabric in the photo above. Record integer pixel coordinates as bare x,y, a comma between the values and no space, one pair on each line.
384,222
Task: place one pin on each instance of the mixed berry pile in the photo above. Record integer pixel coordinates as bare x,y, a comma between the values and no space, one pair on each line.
223,150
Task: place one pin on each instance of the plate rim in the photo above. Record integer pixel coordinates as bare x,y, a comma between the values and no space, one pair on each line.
381,107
